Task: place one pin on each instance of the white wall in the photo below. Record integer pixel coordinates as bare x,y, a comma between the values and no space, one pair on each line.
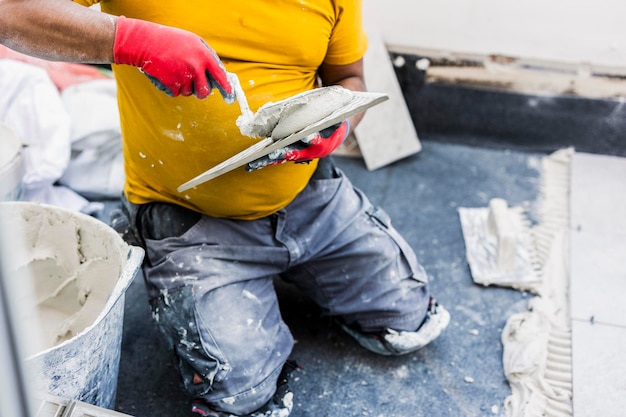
573,32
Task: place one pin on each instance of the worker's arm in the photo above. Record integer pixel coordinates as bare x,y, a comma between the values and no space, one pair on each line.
57,30
322,143
348,76
176,61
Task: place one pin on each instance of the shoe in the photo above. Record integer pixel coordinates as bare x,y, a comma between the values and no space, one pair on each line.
391,342
280,405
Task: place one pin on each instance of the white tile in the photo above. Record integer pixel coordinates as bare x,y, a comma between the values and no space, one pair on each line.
598,284
386,134
599,370
598,199
598,277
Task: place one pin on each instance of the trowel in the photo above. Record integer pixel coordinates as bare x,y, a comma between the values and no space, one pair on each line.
287,121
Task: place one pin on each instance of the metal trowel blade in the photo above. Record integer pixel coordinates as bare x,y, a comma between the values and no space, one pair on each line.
360,102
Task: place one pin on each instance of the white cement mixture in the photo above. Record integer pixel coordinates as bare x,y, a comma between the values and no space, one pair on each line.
282,118
536,342
73,263
537,354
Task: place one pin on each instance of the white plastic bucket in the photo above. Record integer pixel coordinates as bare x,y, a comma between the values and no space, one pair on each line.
11,165
80,269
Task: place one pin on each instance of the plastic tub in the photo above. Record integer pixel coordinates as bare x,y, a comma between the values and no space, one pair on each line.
79,269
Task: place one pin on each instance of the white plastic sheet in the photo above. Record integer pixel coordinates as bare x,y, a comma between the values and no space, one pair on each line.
72,140
96,168
31,107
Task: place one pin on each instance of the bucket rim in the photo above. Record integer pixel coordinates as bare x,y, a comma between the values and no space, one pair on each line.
134,258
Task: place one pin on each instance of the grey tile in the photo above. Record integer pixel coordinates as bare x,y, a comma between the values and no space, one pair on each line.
598,284
381,142
598,277
598,200
599,361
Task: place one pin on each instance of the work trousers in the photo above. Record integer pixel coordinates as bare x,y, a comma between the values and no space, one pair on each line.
210,282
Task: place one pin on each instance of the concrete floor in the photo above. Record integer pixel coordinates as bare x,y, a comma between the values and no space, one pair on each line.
460,374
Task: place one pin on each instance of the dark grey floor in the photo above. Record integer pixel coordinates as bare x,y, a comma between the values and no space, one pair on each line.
422,194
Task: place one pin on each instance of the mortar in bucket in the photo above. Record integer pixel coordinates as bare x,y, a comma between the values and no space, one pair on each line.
78,271
11,165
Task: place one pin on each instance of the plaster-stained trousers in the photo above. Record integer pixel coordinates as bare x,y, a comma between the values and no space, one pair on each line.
210,283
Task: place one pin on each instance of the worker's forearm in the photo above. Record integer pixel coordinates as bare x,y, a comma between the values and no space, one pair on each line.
354,83
57,30
348,76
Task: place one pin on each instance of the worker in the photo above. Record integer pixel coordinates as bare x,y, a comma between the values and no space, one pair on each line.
213,251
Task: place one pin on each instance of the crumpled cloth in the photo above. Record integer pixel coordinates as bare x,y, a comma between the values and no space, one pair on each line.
31,107
67,119
96,168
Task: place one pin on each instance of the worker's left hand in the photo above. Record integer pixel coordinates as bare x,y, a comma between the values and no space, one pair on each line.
316,145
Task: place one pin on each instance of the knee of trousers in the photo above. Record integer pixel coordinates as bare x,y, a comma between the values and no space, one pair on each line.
231,374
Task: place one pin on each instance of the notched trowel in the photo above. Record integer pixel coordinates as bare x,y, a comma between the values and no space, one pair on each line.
287,121
499,246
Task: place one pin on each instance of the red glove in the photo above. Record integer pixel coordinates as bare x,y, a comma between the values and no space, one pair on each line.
316,145
175,60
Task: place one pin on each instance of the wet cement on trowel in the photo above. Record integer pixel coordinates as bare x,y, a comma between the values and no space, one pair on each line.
292,119
285,117
72,268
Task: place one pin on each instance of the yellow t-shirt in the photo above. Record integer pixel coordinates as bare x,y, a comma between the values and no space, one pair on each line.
275,47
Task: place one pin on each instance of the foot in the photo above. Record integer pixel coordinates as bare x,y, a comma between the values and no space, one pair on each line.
393,342
279,406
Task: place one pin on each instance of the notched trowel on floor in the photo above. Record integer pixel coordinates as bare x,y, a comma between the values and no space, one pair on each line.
287,121
499,246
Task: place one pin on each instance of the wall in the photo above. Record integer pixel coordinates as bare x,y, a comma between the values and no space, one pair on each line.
576,32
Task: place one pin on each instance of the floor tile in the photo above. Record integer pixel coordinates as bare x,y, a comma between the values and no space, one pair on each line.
598,284
599,358
598,277
400,136
598,199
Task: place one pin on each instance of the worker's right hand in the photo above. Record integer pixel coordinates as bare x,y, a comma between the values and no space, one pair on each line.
178,62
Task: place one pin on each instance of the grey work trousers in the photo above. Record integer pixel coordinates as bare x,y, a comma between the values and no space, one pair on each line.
210,281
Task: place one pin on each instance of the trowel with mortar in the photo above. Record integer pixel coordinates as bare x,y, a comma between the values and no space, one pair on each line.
287,121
